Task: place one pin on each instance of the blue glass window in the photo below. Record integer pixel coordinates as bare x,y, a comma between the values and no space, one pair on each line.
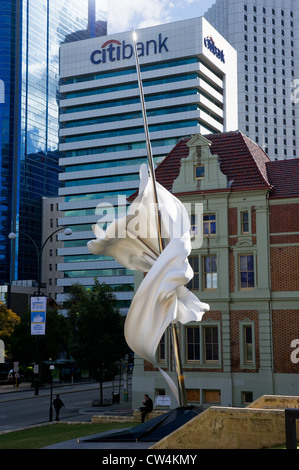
99,272
246,265
121,147
102,180
125,102
125,117
128,86
118,73
131,131
209,224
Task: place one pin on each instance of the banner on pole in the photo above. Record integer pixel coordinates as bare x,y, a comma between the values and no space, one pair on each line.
38,315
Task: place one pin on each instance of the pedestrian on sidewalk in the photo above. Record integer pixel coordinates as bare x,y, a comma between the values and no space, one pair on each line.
58,404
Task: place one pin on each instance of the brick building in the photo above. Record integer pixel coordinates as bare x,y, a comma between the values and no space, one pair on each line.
246,269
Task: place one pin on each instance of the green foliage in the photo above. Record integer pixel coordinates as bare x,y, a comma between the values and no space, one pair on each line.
52,344
76,297
93,333
8,322
98,336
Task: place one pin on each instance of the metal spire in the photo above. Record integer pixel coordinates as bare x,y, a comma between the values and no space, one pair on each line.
176,349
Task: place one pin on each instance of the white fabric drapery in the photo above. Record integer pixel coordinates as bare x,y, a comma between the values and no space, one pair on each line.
162,297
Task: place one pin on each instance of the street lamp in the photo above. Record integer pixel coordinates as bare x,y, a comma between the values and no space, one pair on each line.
52,367
13,236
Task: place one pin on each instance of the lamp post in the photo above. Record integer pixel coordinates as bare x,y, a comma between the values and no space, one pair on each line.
39,252
52,367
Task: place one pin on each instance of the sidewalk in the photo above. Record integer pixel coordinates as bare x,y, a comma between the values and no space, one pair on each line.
11,388
15,392
122,409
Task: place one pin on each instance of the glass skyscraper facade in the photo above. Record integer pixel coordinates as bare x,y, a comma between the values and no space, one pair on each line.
30,36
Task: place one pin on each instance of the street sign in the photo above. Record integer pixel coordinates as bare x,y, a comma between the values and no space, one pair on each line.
163,400
38,315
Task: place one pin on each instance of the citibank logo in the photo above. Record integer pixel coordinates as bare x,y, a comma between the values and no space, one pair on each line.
209,43
113,50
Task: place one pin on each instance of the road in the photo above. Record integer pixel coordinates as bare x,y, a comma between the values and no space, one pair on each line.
21,408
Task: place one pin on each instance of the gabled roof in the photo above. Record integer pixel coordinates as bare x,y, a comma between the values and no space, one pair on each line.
169,168
241,160
245,164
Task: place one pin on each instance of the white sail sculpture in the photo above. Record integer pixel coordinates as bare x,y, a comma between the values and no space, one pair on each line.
162,298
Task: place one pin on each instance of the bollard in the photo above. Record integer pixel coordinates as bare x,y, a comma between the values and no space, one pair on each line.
291,414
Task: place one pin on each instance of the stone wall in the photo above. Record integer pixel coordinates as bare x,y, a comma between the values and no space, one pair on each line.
135,417
262,425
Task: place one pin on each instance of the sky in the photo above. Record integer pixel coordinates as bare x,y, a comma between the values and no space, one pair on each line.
123,15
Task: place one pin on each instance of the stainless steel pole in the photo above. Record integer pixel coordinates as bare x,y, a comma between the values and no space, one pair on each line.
148,144
175,341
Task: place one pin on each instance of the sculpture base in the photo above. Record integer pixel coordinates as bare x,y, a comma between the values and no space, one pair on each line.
153,430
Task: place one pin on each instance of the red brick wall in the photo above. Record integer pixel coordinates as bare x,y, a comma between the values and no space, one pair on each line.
253,220
284,262
232,221
285,238
285,268
284,218
285,330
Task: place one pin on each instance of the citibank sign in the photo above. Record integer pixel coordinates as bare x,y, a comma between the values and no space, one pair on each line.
210,44
113,50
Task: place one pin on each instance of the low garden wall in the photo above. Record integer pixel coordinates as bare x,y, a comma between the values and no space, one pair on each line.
260,425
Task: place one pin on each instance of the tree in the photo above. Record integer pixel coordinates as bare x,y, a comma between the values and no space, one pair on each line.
98,341
76,297
52,344
8,321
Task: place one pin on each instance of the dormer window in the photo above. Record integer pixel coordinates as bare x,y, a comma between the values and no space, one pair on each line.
199,172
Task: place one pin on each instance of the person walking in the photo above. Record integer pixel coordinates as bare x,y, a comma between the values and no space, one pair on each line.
146,408
58,404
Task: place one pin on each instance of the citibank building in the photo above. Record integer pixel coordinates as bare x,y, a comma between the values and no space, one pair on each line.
189,76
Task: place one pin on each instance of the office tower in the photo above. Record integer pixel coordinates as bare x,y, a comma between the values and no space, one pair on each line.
49,273
189,80
30,36
265,34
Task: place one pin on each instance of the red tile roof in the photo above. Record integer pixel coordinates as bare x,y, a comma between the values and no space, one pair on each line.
241,160
284,177
169,168
245,164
